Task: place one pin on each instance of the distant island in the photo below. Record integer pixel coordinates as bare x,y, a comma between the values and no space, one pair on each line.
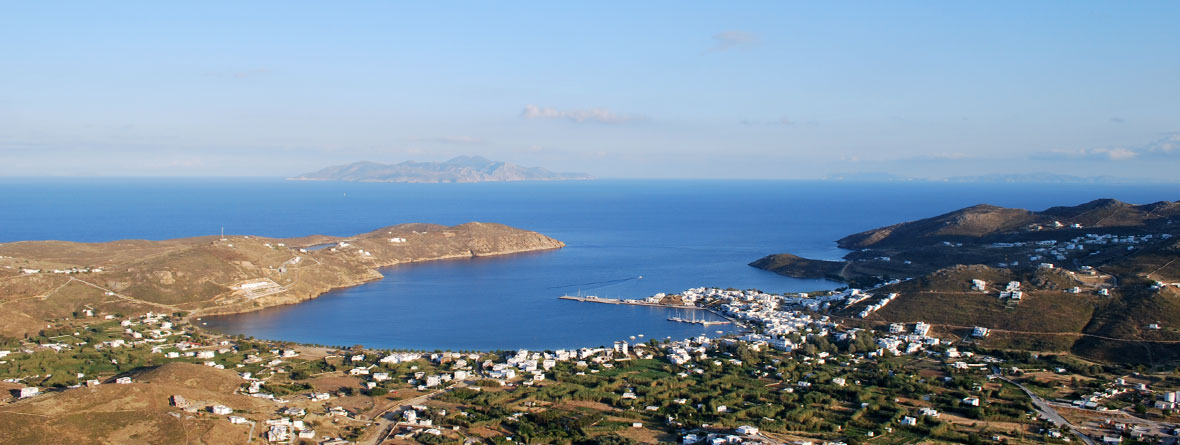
460,169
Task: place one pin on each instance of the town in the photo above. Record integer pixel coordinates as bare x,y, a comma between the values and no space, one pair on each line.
790,374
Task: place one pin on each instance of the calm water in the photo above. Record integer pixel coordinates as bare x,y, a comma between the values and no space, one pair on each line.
675,234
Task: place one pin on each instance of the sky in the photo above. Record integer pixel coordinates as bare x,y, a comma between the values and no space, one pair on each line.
775,90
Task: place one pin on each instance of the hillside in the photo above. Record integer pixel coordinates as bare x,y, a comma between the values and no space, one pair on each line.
134,413
983,220
997,236
460,169
46,280
1101,279
1133,324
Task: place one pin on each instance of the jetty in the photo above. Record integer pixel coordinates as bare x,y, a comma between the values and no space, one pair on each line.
679,319
700,322
594,299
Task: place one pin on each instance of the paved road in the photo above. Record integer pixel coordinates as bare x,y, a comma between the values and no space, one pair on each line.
386,421
1049,413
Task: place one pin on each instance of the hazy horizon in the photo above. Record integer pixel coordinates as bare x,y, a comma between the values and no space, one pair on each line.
764,90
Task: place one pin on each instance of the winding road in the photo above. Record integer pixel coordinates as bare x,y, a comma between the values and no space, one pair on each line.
1051,414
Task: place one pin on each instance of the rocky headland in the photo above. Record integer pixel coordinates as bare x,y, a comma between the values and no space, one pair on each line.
46,280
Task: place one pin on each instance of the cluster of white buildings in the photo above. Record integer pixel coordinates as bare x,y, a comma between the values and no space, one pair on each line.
1012,291
284,430
978,285
1060,251
70,271
684,351
744,434
1168,400
777,325
533,365
901,342
877,306
1094,400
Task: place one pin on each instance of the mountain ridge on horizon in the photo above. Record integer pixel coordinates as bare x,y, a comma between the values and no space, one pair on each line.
457,169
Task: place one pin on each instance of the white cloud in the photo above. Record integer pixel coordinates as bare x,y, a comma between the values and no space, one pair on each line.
1165,146
733,39
1112,154
1118,154
1168,146
580,116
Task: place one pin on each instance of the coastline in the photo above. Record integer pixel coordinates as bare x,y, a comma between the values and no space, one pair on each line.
222,275
218,311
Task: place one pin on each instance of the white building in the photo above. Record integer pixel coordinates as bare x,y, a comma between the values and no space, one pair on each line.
980,332
253,285
979,285
221,410
921,328
621,347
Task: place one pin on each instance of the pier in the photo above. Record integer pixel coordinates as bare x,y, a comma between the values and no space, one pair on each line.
705,323
594,299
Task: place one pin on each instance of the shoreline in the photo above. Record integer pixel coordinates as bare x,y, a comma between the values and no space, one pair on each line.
228,274
210,312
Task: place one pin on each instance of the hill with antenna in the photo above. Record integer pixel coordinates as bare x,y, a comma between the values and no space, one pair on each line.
460,169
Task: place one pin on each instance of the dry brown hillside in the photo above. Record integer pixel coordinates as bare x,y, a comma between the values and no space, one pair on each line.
133,413
48,280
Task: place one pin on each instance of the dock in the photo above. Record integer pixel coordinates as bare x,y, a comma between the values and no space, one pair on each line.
705,323
594,299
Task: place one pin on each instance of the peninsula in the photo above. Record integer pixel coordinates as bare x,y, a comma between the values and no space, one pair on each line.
47,280
460,169
1099,279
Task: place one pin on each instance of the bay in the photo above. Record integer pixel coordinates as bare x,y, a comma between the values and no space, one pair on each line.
676,234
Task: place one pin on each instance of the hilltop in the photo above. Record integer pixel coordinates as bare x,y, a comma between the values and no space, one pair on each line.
983,220
986,234
47,280
460,169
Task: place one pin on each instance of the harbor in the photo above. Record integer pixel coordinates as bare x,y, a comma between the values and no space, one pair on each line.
693,320
594,299
677,318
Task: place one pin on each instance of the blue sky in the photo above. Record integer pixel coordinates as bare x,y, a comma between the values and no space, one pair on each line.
615,89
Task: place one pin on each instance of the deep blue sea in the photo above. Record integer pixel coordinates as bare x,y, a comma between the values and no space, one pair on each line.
676,234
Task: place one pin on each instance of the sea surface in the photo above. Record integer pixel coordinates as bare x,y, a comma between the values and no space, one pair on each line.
675,234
